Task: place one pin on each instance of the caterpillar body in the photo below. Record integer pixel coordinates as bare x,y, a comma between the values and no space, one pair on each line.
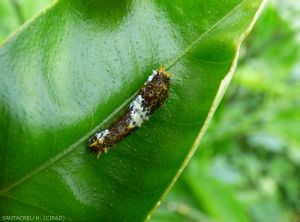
150,97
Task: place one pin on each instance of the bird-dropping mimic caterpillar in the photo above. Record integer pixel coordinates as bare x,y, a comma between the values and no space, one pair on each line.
150,97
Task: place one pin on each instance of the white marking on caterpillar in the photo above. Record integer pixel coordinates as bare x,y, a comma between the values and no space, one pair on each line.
151,96
138,113
154,72
102,134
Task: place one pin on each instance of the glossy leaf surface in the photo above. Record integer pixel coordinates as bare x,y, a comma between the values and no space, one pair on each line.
71,71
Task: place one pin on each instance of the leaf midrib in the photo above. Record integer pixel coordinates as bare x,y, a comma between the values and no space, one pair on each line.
117,110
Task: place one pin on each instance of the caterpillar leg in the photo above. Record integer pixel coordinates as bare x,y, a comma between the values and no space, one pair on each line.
101,150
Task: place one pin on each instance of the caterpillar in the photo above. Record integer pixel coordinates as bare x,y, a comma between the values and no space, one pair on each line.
150,97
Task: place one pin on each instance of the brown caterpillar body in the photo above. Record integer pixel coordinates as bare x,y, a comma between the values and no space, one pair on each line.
150,97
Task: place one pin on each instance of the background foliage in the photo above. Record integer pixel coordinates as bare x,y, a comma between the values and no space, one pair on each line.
249,161
14,13
248,166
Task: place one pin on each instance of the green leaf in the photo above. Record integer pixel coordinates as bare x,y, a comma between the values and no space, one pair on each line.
8,22
215,198
14,12
198,196
71,71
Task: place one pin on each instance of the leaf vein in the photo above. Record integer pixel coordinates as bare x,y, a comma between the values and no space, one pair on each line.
87,135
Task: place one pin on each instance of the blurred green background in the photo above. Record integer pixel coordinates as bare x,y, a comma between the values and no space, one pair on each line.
248,165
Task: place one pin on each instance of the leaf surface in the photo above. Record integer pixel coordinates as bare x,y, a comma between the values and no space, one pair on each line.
71,70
